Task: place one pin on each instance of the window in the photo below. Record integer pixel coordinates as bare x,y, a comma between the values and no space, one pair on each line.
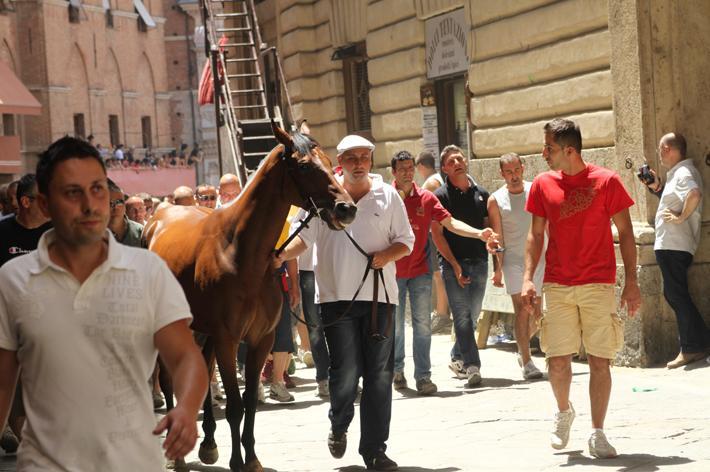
74,14
142,26
113,130
451,112
8,125
79,128
109,19
145,131
357,91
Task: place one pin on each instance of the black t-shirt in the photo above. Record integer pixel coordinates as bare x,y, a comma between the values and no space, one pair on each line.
471,208
16,240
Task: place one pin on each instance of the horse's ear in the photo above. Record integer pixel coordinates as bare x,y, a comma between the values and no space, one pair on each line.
281,135
304,129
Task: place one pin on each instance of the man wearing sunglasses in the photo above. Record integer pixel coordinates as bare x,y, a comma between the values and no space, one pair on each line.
206,196
125,230
19,234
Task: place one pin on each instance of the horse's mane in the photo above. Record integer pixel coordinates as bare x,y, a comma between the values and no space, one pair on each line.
210,242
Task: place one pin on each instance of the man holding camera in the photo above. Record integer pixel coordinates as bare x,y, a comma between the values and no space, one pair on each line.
677,236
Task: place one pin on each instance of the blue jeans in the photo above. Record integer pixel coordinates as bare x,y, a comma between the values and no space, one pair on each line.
419,289
310,314
465,304
354,353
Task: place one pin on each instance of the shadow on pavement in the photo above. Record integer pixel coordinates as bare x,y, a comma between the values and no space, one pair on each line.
625,462
357,468
197,466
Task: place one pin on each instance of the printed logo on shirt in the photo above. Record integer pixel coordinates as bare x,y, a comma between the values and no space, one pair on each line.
578,200
14,250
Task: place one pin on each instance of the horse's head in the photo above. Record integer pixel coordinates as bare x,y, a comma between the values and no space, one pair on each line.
314,184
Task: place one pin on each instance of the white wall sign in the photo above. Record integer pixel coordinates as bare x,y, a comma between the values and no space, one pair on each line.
446,44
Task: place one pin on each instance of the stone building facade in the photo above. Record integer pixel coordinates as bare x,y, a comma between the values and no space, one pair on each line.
623,69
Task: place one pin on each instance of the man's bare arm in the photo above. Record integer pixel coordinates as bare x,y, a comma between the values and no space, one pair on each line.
496,221
186,366
631,295
437,235
462,229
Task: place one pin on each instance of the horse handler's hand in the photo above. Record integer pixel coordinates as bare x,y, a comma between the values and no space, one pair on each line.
182,432
277,261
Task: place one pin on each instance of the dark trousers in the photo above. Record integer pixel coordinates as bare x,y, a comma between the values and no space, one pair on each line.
319,349
354,353
693,332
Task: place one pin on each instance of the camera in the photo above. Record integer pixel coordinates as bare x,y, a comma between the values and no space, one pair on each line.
645,175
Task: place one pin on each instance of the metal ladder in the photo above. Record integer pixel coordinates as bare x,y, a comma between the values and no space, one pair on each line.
242,55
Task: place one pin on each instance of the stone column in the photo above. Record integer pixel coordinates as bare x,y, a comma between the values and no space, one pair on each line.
659,62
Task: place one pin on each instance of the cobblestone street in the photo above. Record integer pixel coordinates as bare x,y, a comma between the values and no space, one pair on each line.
658,420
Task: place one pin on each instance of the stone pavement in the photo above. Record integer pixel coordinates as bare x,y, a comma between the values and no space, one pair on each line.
658,420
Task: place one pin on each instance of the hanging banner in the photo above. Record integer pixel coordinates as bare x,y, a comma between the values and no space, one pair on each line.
430,125
446,44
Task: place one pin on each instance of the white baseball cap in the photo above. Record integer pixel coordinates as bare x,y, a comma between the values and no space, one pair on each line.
353,141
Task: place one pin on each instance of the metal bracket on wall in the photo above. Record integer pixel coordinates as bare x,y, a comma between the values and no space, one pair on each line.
629,164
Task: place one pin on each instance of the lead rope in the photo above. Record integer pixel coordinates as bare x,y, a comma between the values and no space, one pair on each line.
378,275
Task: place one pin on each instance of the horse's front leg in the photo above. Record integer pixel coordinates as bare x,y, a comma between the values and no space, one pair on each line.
226,352
254,363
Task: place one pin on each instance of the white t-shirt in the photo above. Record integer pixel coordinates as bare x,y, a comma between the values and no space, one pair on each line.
516,225
681,179
86,353
381,220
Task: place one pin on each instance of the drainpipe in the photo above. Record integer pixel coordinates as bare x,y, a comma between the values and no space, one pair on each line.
190,74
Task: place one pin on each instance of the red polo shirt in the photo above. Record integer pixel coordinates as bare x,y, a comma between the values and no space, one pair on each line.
422,208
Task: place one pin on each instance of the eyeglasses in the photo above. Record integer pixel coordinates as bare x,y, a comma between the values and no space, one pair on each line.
115,203
204,198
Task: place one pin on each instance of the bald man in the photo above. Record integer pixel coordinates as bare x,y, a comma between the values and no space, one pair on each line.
184,196
135,209
229,188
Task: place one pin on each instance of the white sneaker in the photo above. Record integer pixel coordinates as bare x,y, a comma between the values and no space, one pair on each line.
260,395
531,372
563,424
599,446
456,366
278,392
323,389
473,374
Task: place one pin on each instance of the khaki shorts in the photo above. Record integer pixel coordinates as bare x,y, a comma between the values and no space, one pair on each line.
580,313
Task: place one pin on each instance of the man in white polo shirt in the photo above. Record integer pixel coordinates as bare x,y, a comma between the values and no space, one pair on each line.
678,221
356,348
82,319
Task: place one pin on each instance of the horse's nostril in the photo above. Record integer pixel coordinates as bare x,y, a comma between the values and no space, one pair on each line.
345,212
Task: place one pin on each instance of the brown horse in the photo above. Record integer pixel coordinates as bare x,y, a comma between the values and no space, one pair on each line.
223,260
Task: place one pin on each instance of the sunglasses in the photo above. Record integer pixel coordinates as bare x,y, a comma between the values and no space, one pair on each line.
115,203
204,198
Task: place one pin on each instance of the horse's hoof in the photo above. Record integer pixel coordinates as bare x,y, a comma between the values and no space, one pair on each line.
253,466
208,455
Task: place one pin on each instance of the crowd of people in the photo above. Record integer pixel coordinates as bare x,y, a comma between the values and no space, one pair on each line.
122,157
551,245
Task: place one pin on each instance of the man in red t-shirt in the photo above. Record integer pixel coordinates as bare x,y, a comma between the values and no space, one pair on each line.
414,274
578,200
